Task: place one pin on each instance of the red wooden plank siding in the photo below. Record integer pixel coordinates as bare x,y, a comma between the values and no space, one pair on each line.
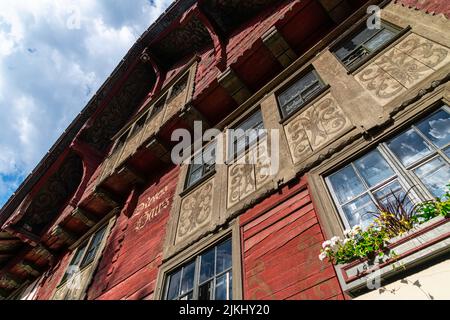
129,266
281,241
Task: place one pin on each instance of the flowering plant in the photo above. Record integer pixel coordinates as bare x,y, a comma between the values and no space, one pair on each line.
357,244
394,218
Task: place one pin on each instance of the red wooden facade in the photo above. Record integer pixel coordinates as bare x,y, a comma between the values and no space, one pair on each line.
280,240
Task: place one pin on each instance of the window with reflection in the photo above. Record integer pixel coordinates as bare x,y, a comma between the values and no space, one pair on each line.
207,277
246,134
298,94
364,43
201,165
74,283
418,159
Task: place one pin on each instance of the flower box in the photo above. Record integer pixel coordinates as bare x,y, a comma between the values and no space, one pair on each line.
411,249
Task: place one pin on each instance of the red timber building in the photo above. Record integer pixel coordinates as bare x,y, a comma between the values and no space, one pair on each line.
358,111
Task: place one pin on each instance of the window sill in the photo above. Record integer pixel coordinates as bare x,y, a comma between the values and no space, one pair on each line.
314,98
356,67
411,249
191,188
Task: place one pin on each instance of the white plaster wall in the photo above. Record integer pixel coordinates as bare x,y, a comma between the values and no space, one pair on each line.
431,283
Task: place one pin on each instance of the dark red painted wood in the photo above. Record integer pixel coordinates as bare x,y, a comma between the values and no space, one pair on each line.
281,241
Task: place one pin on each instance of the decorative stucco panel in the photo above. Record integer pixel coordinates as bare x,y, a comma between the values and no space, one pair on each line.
402,67
249,173
316,127
196,211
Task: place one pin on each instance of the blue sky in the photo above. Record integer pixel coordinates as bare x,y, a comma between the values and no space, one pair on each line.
54,55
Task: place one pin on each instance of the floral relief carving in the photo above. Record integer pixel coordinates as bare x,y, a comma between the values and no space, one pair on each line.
315,127
402,67
241,182
196,210
249,173
429,53
379,83
263,165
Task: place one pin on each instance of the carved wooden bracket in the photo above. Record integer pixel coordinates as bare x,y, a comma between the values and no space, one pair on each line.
147,57
64,235
88,219
230,81
278,46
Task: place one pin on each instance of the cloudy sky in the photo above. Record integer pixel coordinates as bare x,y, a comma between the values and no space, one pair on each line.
54,55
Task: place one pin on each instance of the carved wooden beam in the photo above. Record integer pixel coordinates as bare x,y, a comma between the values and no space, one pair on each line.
64,235
280,49
87,218
106,196
159,149
131,174
8,280
42,251
30,268
230,81
337,10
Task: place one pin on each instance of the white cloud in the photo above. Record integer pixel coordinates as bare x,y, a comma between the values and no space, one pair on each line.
54,55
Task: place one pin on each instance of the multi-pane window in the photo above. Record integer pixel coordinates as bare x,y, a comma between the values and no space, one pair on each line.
247,133
85,254
417,159
207,277
363,43
302,91
201,164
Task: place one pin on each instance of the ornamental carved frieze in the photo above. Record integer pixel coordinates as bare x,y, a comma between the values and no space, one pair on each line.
402,67
196,211
119,109
317,126
177,98
53,195
249,173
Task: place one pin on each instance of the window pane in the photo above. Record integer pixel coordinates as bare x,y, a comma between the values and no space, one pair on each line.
360,211
174,286
187,282
296,95
75,261
386,195
435,174
189,296
223,287
374,168
379,39
409,147
205,291
224,256
351,44
437,128
93,247
250,131
346,184
207,266
447,152
195,175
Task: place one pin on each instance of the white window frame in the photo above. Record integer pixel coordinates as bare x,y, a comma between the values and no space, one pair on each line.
404,175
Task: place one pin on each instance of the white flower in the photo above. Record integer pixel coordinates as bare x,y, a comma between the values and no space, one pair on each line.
346,241
322,256
326,244
335,240
347,232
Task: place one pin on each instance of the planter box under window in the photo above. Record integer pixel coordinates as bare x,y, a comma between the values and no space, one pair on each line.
428,241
